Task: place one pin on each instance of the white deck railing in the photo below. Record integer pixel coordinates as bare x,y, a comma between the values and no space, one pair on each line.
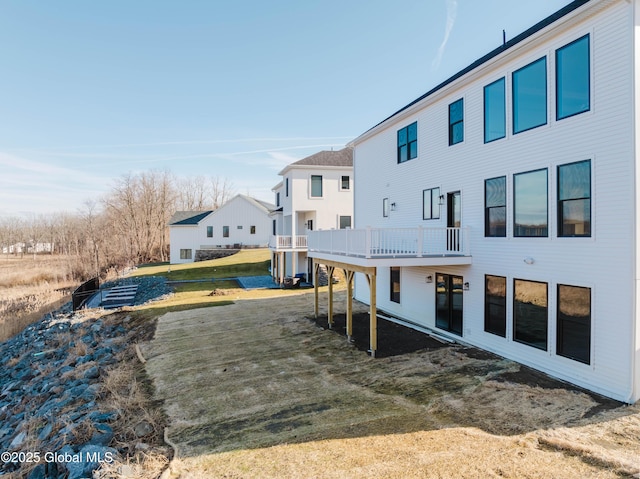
288,242
391,242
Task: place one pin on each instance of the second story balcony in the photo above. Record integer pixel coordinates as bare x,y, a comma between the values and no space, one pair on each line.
392,246
288,243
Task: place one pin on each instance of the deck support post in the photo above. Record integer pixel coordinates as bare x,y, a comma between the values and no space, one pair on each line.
330,270
373,317
349,275
316,267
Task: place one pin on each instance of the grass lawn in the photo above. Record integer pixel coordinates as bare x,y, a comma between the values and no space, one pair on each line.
247,262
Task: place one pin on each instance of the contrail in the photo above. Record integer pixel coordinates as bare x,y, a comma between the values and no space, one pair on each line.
452,11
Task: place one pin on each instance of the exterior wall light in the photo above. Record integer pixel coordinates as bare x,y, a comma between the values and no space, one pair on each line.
428,279
393,206
465,286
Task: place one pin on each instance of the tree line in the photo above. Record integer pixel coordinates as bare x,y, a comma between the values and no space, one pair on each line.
127,226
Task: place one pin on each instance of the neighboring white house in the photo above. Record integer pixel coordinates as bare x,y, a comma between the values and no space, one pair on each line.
315,193
501,208
241,222
29,247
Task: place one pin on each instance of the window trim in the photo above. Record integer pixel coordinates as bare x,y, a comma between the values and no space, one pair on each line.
560,322
589,80
513,96
408,144
515,329
342,188
560,202
504,109
393,296
340,221
311,195
486,305
186,253
459,122
487,209
424,211
515,203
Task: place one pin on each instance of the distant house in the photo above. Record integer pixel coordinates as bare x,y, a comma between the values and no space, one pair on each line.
241,222
29,247
315,193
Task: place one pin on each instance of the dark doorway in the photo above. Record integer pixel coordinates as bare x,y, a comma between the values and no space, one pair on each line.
449,303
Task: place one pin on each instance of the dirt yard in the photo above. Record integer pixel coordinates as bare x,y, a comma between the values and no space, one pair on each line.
257,389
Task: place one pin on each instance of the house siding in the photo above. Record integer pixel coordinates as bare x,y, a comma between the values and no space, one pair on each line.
603,262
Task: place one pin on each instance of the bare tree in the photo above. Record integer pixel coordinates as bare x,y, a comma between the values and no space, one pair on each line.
192,194
221,191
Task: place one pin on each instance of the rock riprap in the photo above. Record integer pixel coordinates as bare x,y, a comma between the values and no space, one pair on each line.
51,383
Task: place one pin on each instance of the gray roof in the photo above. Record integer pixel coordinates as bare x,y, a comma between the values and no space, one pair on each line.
185,218
342,157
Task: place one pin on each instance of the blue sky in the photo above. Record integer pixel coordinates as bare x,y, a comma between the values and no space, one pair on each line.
93,90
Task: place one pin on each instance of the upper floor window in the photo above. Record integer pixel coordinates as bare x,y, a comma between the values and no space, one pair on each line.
252,230
495,207
278,198
209,231
456,122
431,204
316,186
345,182
225,231
530,204
573,78
574,199
494,111
286,187
530,96
408,142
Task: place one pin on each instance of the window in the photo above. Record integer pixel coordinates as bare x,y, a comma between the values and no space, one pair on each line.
456,122
530,313
316,186
209,231
530,96
344,183
573,79
394,284
239,227
278,198
494,111
495,207
185,254
495,305
385,207
574,323
574,199
530,203
431,204
273,227
408,142
252,230
225,231
286,187
345,222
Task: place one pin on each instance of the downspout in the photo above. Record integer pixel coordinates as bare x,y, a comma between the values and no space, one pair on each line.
635,14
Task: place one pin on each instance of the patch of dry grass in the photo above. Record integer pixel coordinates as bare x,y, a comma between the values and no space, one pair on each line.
31,288
253,390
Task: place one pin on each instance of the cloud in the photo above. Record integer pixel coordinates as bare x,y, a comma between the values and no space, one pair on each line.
452,12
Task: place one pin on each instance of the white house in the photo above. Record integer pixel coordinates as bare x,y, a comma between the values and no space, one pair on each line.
241,222
316,192
501,208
